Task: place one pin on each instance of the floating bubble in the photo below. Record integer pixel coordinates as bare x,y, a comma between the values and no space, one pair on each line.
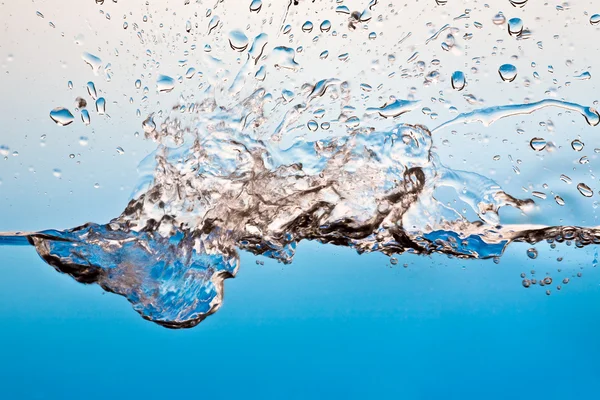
61,116
532,253
508,72
458,80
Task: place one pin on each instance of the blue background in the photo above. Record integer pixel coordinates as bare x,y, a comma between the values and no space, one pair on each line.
331,325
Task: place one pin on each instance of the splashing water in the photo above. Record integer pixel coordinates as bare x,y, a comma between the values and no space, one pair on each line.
257,168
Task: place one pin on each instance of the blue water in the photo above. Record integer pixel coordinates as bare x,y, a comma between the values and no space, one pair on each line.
345,326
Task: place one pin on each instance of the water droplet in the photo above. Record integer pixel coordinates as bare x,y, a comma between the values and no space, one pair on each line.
577,145
138,84
515,26
256,5
312,125
526,283
56,172
458,80
91,89
190,73
214,22
148,125
238,40
532,253
85,117
101,106
325,26
499,19
61,116
508,72
165,84
595,19
92,61
538,144
518,3
307,27
584,76
285,58
585,190
120,150
39,14
559,200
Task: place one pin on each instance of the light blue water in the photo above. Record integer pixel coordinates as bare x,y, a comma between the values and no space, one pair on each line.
332,325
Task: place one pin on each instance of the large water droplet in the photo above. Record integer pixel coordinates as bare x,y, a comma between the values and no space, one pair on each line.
101,106
61,116
508,72
256,5
91,89
312,125
92,61
214,22
595,19
284,57
165,84
538,144
138,84
307,27
238,40
325,26
577,145
458,80
532,253
585,190
85,117
515,26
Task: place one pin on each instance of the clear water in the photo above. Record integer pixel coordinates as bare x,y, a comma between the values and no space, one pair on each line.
213,137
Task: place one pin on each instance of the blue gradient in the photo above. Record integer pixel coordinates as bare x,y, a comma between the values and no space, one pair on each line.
331,325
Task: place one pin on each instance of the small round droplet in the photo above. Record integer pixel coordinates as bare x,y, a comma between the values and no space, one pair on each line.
312,125
458,80
61,116
532,253
538,144
577,145
499,19
585,190
526,283
508,72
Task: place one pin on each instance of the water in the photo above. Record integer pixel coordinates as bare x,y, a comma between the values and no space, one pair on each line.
274,150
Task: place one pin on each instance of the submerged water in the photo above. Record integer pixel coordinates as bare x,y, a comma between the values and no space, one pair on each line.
335,122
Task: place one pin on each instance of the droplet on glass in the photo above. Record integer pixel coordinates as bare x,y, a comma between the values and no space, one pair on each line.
508,72
458,80
238,40
256,5
585,190
577,145
515,26
85,117
307,27
325,26
101,106
538,144
61,116
165,84
595,19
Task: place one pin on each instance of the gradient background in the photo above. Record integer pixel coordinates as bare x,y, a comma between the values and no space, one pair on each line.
332,324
